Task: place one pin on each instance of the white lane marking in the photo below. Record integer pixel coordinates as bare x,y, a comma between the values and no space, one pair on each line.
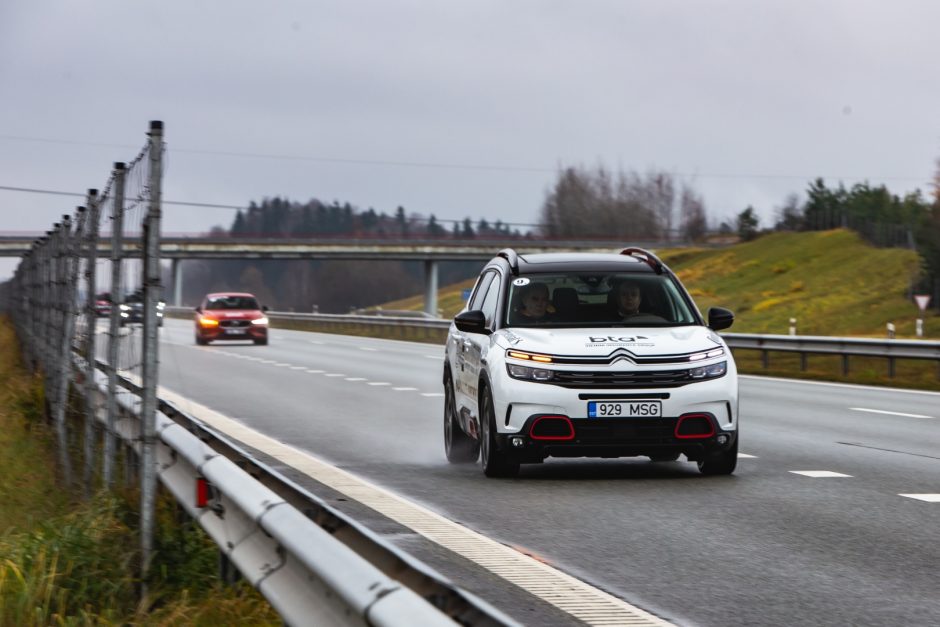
405,389
583,602
366,348
355,379
268,361
379,383
281,365
890,413
315,371
334,374
877,388
298,367
818,473
314,342
930,498
746,456
433,357
429,394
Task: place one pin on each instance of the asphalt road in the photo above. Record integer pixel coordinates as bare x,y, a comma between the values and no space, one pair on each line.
766,546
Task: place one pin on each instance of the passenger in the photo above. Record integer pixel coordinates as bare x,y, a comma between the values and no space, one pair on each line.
534,305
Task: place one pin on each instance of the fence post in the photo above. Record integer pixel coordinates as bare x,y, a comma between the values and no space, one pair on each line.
151,255
117,287
91,389
68,270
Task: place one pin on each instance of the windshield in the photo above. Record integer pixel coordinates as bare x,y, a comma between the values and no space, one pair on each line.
232,302
581,299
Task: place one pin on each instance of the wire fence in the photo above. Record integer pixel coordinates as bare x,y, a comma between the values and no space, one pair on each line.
73,310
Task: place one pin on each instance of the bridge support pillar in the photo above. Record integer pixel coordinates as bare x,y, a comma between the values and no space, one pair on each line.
430,287
175,269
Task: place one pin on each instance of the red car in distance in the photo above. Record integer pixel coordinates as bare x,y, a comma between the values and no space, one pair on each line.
231,316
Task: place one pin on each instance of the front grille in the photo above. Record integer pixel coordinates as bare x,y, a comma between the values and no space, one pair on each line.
619,380
230,324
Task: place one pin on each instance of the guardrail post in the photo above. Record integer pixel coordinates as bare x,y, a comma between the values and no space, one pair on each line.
845,365
891,367
765,358
803,358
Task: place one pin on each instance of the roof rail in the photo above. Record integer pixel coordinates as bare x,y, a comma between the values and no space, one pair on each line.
510,255
644,255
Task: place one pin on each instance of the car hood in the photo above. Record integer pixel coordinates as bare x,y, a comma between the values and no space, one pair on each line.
600,342
234,314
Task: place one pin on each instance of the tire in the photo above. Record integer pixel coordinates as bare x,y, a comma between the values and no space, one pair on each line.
200,341
495,463
664,457
263,342
459,447
722,463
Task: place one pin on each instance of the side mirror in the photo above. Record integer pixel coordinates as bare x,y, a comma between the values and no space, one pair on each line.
198,309
719,318
471,322
264,307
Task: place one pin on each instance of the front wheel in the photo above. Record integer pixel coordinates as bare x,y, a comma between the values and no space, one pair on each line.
722,463
261,342
459,447
495,463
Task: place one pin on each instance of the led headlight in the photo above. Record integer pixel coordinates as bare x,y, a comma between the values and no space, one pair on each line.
711,371
529,374
259,321
125,307
712,353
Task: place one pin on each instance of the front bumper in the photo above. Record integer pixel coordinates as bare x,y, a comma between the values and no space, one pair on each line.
617,437
252,332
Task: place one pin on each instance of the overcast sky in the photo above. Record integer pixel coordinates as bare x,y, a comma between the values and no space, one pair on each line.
462,108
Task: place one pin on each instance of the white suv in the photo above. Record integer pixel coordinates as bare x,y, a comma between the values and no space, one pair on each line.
587,355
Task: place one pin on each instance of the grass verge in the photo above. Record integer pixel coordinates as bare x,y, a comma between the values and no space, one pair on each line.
70,562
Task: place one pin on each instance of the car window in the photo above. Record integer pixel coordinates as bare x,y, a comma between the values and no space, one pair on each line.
232,302
598,299
488,306
482,285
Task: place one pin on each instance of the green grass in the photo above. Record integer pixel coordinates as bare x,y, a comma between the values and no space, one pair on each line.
69,562
830,281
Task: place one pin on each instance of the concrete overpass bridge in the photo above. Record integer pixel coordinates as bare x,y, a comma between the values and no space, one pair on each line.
430,251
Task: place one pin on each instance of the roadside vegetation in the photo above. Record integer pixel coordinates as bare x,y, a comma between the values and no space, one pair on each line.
66,561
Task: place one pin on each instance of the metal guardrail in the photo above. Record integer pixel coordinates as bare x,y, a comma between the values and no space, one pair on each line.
304,556
890,349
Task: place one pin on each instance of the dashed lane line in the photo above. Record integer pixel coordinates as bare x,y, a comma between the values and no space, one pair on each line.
890,413
930,498
578,599
819,474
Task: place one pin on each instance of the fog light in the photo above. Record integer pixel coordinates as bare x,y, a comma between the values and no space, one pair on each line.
517,442
721,439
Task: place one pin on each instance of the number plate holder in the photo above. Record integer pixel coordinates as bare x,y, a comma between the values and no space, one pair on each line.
625,408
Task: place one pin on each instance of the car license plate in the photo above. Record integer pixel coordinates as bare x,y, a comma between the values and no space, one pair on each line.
625,409
237,331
